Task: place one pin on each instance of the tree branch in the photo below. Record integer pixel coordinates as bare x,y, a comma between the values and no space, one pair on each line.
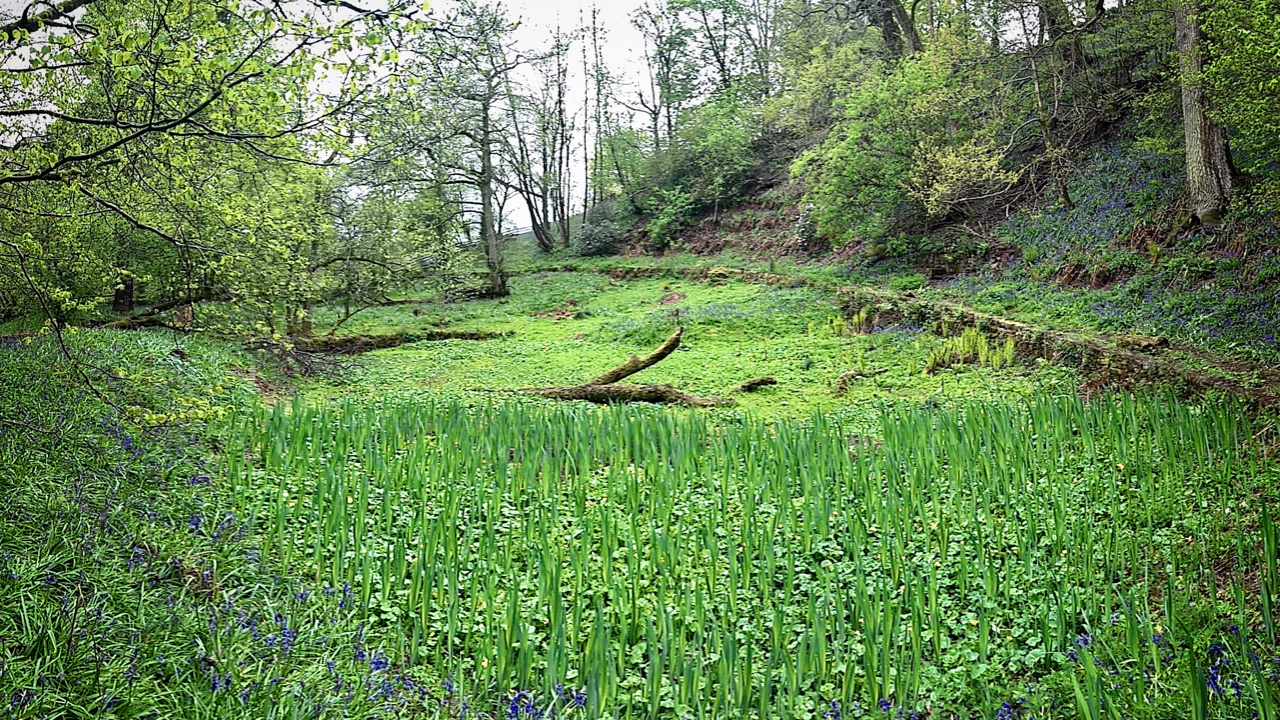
31,23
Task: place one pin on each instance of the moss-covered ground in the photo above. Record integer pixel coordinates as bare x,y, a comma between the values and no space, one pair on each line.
566,328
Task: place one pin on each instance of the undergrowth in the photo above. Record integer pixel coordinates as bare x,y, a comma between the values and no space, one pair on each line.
131,583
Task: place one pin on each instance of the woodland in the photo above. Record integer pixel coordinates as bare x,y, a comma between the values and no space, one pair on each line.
829,359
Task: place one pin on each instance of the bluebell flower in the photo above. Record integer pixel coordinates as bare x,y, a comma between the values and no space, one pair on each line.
1212,678
1005,712
885,705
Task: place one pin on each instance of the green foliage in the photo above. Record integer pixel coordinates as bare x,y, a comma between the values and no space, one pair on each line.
673,210
602,230
909,281
713,151
819,78
915,139
131,584
953,559
970,347
149,141
1243,76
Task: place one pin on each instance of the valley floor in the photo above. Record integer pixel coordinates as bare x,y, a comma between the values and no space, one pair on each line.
410,536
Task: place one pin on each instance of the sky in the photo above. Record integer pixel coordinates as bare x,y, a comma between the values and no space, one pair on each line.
622,48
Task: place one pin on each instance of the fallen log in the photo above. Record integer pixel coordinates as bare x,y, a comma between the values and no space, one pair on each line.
756,384
636,364
150,316
613,393
364,343
848,376
605,388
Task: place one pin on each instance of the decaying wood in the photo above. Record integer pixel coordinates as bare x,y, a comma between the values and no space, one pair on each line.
151,316
612,393
605,389
636,364
364,343
847,377
756,384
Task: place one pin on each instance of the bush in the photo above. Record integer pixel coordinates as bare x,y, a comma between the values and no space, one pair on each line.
914,141
912,281
674,208
600,231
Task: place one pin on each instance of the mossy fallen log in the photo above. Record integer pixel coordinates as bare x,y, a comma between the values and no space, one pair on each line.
847,377
756,384
616,393
636,364
352,344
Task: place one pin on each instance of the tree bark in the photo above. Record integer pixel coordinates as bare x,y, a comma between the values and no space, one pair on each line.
847,377
122,301
605,394
882,17
1208,161
756,384
636,364
906,25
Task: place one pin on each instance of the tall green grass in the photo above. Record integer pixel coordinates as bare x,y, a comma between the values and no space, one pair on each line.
1065,557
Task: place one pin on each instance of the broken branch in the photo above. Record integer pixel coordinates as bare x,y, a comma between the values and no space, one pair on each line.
847,377
636,364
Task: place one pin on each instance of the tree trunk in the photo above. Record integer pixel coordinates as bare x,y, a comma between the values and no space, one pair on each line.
906,25
636,364
882,17
122,301
488,231
1208,162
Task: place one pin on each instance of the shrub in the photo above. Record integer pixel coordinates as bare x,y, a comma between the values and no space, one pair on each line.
912,281
674,208
600,231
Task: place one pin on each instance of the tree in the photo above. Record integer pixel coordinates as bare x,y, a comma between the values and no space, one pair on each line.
1208,161
128,124
460,79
